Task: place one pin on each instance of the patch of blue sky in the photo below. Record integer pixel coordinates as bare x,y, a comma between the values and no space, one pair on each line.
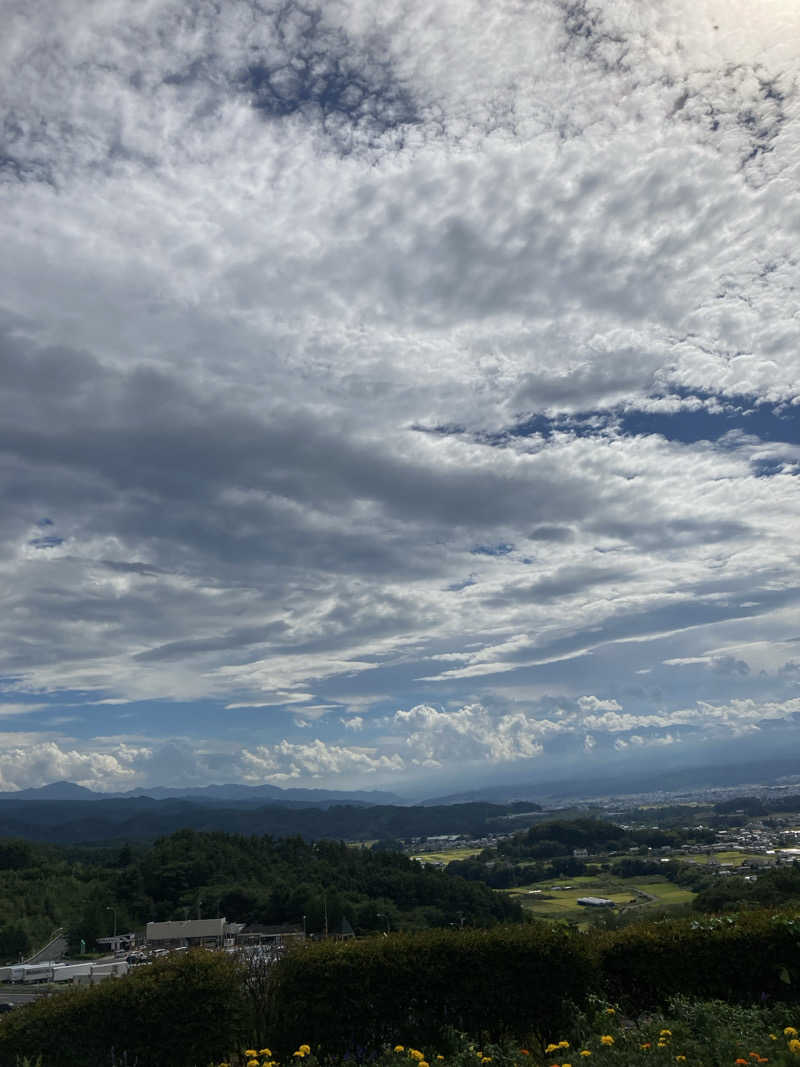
502,549
50,541
765,421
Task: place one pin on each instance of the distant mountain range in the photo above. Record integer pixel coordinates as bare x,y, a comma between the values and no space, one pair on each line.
614,782
213,794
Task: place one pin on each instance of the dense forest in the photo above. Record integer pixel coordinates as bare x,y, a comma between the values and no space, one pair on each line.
143,818
246,879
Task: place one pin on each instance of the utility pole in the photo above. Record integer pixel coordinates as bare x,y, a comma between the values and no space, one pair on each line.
114,910
324,913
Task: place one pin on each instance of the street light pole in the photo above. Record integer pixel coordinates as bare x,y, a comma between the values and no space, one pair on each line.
114,910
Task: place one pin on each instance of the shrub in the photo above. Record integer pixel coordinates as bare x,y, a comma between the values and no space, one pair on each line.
177,1012
506,981
747,957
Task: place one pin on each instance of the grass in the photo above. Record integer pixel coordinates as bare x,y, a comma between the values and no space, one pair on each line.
732,856
446,855
644,893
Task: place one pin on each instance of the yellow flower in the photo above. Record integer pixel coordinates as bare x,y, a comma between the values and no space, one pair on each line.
665,1033
680,1059
399,1048
268,1053
661,1044
773,1037
563,1044
423,1063
486,1059
585,1052
566,1065
645,1045
253,1063
305,1049
415,1054
610,1011
606,1039
790,1031
300,1055
551,1047
794,1046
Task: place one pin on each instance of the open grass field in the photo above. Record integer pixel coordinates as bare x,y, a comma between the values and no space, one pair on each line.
730,856
648,893
446,855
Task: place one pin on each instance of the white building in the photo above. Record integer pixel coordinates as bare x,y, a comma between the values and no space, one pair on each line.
187,932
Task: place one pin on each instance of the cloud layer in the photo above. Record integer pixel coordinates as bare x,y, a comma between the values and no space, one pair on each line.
396,377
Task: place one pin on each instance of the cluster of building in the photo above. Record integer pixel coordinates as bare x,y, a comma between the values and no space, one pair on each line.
161,937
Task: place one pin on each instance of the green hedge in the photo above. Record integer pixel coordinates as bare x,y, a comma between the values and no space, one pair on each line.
510,980
177,1012
747,957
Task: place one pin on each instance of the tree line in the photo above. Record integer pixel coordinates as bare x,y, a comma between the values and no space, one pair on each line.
252,879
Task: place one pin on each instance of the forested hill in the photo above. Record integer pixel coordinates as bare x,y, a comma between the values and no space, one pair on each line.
143,818
246,879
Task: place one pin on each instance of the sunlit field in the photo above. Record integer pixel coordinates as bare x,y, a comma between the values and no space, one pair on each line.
446,855
642,894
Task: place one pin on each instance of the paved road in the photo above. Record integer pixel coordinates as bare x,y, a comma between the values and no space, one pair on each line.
53,951
12,996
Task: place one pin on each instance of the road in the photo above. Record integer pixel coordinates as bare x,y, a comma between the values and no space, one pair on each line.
54,950
17,997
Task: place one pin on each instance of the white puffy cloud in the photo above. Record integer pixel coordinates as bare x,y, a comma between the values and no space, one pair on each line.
470,733
39,762
592,703
286,761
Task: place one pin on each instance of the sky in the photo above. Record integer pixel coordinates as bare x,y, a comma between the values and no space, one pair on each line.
400,396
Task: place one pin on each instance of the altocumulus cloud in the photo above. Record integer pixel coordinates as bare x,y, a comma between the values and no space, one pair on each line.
356,359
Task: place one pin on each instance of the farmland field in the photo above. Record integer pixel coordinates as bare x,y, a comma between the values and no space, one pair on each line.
643,894
732,856
446,855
